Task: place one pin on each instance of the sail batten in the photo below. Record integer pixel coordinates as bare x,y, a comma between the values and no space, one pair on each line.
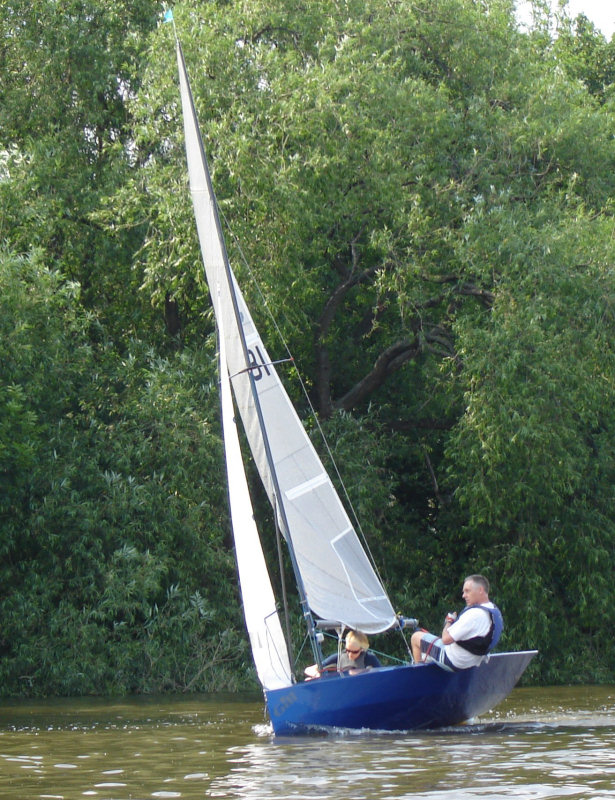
306,486
341,536
334,571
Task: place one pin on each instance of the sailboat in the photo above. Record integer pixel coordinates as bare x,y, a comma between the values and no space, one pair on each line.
337,585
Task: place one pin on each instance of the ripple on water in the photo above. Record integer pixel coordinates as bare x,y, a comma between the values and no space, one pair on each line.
109,785
539,745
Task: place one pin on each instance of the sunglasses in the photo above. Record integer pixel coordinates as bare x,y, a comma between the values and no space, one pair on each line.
353,652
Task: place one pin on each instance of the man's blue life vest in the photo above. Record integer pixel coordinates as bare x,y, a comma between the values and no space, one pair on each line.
481,645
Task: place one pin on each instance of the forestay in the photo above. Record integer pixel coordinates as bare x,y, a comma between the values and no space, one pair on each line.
338,579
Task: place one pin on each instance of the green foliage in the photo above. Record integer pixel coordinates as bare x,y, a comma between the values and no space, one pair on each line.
587,56
424,193
69,69
107,505
532,453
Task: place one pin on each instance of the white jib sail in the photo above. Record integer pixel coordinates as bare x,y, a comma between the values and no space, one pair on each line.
338,578
262,621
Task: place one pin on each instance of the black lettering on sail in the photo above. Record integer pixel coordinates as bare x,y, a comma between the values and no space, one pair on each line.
257,364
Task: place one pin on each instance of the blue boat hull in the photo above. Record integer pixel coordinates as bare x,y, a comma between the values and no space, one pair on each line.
396,698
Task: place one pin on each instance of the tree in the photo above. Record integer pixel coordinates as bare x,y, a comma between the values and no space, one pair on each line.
387,173
586,55
69,70
412,187
109,529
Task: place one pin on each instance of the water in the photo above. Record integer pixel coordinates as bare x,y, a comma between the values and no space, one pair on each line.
541,743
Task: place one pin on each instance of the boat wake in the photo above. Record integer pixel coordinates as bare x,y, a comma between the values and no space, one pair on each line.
563,725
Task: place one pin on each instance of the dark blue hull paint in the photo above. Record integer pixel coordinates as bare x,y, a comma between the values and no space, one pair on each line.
396,698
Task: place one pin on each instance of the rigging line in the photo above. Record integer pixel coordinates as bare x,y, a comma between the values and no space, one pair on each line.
313,414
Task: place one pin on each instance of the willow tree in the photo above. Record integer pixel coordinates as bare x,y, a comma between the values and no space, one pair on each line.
413,188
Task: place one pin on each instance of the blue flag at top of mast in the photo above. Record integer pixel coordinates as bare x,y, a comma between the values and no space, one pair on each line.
168,15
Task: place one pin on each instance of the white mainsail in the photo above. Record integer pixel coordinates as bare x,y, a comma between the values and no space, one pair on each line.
337,577
259,608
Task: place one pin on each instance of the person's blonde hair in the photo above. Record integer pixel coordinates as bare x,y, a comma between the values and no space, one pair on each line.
357,638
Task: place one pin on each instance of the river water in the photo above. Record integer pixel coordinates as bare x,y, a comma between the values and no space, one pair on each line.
540,743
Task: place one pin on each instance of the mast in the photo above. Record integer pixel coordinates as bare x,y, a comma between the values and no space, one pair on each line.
278,506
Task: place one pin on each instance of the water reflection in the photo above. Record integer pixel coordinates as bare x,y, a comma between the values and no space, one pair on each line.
542,743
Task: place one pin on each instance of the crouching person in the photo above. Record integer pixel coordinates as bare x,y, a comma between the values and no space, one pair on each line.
353,659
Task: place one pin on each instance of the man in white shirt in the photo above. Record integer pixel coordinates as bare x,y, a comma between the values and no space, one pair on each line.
466,639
